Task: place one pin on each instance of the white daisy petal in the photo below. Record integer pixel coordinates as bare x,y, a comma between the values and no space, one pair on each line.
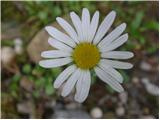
85,91
55,54
83,86
117,55
108,79
59,45
55,62
68,28
93,26
85,24
69,85
115,44
64,75
78,84
111,71
104,27
113,35
118,64
60,36
77,24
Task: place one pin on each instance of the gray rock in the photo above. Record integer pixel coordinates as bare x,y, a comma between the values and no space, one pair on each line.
24,107
134,108
109,115
147,117
70,114
8,56
61,114
120,111
18,48
114,99
72,106
27,84
96,113
151,88
135,80
51,103
145,66
123,97
40,43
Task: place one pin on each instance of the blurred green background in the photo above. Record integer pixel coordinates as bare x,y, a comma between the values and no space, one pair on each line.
26,88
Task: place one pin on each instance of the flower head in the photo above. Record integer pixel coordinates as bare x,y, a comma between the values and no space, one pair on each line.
86,47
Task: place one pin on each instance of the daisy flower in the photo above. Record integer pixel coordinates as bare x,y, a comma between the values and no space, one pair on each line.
85,47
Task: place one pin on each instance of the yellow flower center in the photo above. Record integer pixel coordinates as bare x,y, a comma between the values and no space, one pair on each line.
86,55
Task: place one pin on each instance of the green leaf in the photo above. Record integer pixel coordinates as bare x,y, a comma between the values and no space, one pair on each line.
7,43
14,87
110,89
27,68
94,77
39,69
125,76
36,93
152,49
56,11
40,82
49,89
152,25
42,15
55,72
16,78
30,77
135,33
137,20
14,94
142,40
